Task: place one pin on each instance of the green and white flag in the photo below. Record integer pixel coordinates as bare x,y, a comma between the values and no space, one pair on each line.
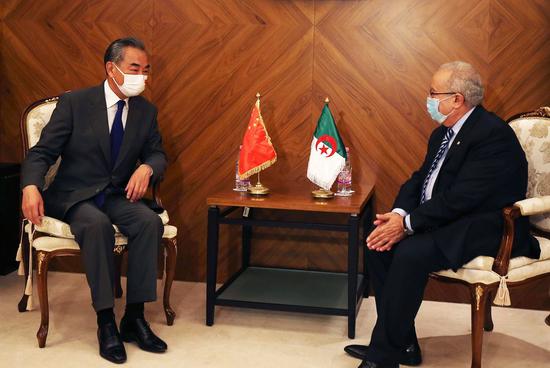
328,153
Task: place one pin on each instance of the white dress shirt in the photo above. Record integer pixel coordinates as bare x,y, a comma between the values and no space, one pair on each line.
110,100
429,188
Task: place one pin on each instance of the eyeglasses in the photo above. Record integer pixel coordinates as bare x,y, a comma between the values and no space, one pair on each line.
432,93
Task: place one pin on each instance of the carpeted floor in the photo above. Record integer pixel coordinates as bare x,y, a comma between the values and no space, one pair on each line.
252,338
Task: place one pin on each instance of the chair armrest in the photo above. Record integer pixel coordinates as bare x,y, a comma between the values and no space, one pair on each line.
156,192
502,261
534,206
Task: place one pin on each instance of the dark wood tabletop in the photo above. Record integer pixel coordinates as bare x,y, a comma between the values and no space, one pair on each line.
298,198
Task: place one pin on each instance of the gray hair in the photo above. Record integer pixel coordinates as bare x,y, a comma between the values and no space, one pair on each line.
464,79
115,51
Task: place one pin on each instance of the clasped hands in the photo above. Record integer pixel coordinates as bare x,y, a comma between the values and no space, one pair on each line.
33,204
389,231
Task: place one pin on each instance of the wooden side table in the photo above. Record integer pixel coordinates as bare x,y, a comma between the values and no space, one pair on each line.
283,289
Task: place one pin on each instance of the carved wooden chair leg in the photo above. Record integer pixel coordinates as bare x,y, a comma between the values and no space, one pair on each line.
118,270
171,256
548,320
42,281
478,296
488,326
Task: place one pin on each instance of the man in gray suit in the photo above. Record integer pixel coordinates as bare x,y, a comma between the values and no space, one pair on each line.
110,147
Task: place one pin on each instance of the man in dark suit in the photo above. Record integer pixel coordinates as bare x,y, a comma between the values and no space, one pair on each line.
110,147
446,214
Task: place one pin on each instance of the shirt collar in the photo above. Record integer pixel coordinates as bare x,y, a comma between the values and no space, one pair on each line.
456,128
110,97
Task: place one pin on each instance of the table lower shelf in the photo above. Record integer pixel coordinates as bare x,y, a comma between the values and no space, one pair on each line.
290,290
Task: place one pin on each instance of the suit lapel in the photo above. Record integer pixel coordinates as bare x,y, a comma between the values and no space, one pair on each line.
464,132
131,130
98,121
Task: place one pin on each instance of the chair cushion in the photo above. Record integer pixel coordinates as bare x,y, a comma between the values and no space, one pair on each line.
60,229
534,135
479,269
50,243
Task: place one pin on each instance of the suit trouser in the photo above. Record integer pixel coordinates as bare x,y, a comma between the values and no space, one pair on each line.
93,231
399,277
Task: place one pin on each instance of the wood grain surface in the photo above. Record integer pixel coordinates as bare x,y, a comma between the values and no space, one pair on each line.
374,59
294,198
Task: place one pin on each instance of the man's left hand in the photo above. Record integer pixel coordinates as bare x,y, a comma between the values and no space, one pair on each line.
389,231
138,183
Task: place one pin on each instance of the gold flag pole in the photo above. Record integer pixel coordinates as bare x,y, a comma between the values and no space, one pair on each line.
258,189
322,193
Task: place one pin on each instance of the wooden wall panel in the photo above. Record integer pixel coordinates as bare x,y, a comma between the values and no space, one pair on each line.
213,60
374,59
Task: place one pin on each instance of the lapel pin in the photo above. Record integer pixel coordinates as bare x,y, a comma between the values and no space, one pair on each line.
458,143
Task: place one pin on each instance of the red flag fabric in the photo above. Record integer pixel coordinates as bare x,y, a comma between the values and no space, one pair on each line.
257,152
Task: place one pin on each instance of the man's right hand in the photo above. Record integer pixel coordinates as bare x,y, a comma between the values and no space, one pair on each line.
33,205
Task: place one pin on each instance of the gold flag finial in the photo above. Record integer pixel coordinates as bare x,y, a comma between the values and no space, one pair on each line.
326,100
258,95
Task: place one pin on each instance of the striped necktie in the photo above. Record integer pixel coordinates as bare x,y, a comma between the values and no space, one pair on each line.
442,149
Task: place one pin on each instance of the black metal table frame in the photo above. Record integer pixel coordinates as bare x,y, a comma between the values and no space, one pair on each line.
356,293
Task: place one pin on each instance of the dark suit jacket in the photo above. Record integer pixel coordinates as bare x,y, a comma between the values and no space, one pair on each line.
484,171
78,131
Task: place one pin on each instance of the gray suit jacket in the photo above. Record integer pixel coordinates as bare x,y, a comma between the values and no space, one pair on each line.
78,131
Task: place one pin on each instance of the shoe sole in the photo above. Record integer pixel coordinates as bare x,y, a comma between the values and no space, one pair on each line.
111,360
132,338
408,362
411,362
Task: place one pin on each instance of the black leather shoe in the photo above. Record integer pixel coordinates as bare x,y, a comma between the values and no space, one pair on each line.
138,330
411,355
369,364
110,344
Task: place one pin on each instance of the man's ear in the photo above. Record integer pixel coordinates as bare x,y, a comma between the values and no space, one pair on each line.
109,69
459,99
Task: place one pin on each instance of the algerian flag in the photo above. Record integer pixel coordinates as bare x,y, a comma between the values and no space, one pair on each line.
328,153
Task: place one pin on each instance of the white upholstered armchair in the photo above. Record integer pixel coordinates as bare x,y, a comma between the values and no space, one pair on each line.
487,276
54,238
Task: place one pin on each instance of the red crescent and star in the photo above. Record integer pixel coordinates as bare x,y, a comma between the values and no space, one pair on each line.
331,142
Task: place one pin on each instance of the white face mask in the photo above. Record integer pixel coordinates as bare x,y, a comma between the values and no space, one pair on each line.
133,84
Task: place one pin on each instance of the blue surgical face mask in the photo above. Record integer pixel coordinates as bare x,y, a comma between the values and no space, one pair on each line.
432,105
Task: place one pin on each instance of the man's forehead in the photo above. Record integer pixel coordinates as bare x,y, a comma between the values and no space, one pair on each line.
131,55
440,78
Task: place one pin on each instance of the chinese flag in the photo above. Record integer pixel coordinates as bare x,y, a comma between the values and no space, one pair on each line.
257,152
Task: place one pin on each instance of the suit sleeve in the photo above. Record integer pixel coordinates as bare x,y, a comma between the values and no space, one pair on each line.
52,141
490,162
152,152
408,197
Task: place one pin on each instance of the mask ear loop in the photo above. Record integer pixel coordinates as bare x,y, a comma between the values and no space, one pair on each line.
446,98
120,71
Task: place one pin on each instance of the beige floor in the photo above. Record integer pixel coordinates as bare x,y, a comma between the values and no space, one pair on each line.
250,338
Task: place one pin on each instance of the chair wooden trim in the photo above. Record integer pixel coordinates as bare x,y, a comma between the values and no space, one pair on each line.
481,294
43,258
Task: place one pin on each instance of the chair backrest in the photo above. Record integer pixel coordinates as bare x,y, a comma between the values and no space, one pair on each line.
34,119
533,132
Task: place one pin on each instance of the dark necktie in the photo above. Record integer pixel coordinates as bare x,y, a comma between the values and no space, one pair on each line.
442,148
117,133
